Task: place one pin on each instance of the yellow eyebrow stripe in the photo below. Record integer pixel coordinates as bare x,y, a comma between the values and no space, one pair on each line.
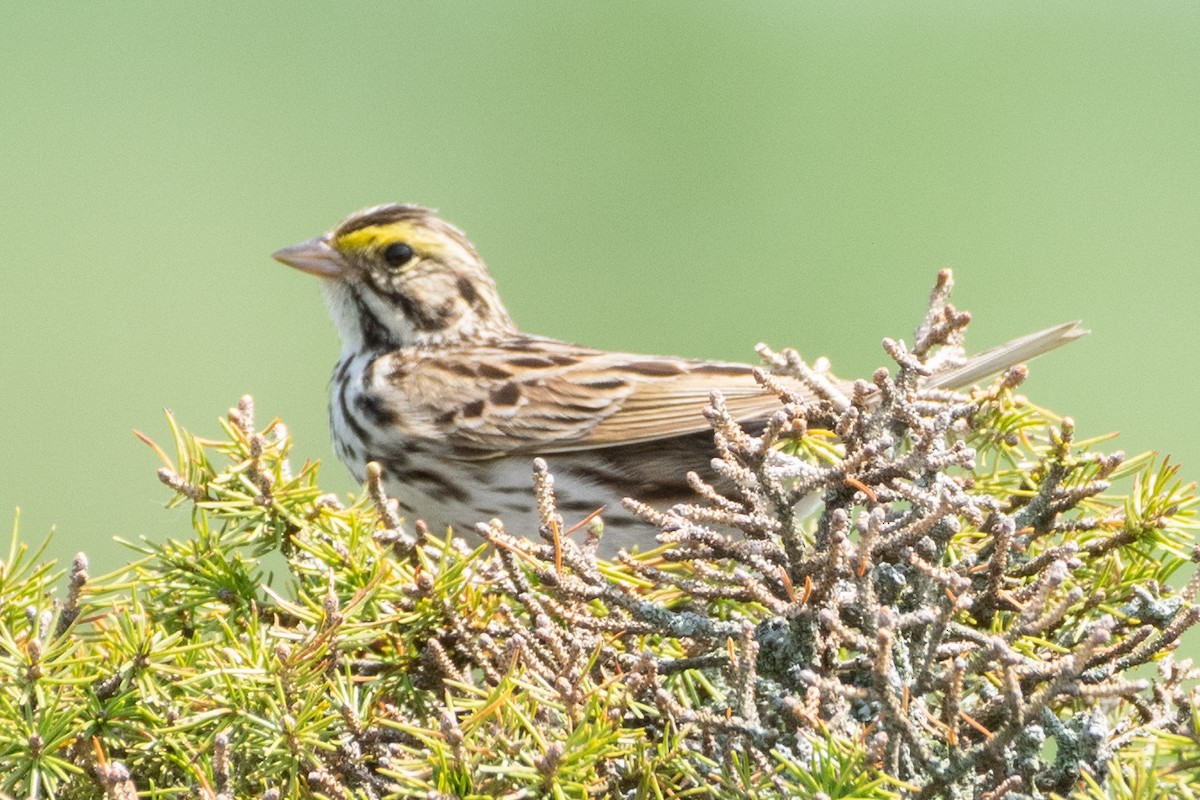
377,236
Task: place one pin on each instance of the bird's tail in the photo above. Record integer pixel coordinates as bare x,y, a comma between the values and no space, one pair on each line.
996,360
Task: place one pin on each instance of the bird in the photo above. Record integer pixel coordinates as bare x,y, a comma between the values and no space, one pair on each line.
438,386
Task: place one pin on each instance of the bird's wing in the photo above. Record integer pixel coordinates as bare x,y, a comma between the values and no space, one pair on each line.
546,397
664,397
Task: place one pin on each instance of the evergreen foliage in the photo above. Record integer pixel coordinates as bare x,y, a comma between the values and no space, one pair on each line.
972,611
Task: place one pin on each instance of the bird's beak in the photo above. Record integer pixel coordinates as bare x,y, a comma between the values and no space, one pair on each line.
315,257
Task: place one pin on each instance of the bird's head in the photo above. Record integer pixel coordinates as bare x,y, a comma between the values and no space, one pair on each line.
398,276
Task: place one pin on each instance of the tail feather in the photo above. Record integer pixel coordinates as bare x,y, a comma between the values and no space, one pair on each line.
996,360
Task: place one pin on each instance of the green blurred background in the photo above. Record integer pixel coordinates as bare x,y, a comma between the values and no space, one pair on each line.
685,178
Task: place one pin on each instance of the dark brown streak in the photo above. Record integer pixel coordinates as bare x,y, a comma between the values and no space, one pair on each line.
494,372
408,306
541,360
385,215
380,415
376,335
617,523
368,375
424,317
722,369
507,395
652,493
343,368
654,368
394,465
462,450
467,290
593,474
603,383
577,506
361,433
438,486
533,362
459,368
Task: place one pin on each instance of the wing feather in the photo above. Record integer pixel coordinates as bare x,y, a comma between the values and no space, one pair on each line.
583,399
535,395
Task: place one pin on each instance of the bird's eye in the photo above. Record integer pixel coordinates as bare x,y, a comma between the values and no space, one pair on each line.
397,254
